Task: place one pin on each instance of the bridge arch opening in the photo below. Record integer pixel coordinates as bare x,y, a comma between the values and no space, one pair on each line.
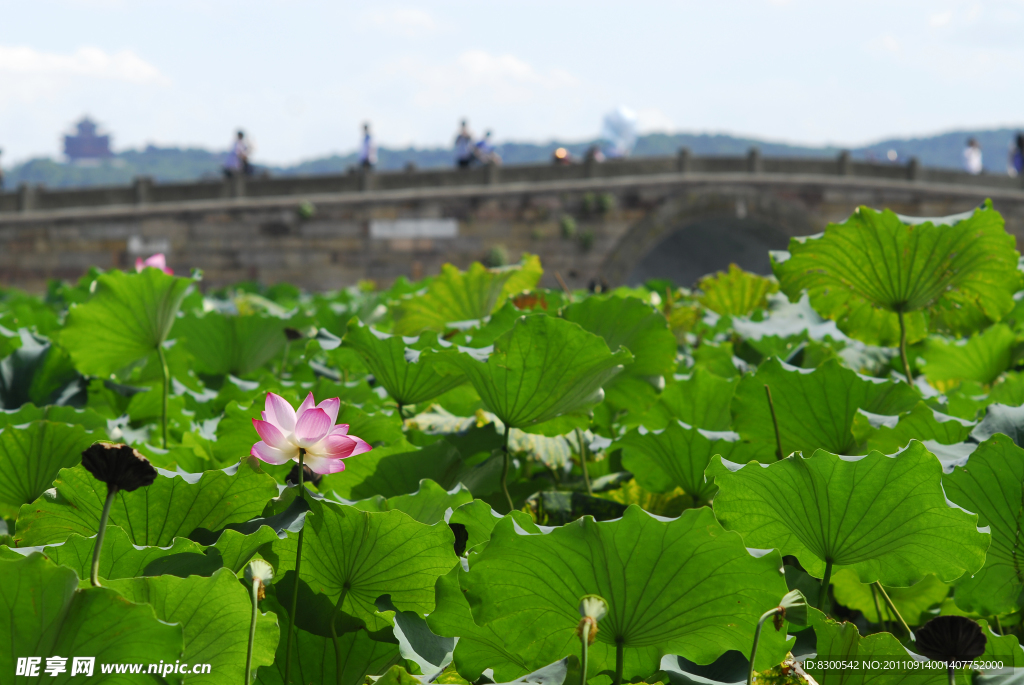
705,246
703,231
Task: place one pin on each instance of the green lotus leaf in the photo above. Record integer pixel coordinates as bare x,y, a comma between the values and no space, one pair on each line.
702,400
680,586
398,365
677,456
31,456
815,409
736,292
480,519
948,278
215,614
370,554
479,648
427,505
361,655
119,557
631,323
886,518
175,505
912,602
1009,390
43,614
890,434
542,369
456,296
981,358
88,419
843,642
128,317
234,549
222,344
394,470
1001,419
38,371
991,485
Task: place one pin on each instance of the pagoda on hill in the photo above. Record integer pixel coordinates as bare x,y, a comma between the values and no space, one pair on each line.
86,145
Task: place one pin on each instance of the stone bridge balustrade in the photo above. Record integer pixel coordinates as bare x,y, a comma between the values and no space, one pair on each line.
677,217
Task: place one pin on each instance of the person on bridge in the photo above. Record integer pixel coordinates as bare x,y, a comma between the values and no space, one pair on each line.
484,151
238,157
1015,163
367,149
464,148
972,157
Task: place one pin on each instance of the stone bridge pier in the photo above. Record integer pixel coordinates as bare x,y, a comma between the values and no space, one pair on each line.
619,222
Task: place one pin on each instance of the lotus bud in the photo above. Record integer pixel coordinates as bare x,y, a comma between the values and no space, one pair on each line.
592,609
951,638
119,466
259,570
792,608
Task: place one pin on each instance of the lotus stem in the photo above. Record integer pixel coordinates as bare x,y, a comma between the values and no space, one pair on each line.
823,592
585,636
583,462
903,348
295,589
334,632
167,390
775,422
995,619
619,658
401,413
94,577
284,359
252,629
878,609
952,675
757,637
504,471
894,610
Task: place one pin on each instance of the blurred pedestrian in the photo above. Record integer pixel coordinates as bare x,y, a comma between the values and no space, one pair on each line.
464,149
238,158
367,149
594,154
972,157
561,157
1015,163
485,151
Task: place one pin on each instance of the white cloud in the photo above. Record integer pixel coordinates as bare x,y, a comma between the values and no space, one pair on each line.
940,19
484,68
653,120
406,22
85,62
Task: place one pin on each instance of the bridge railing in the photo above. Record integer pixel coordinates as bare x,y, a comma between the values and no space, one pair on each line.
145,192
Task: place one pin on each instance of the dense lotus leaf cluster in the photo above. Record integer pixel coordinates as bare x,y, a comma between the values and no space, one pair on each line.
693,458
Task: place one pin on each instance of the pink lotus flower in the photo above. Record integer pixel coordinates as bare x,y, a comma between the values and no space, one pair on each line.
285,431
158,261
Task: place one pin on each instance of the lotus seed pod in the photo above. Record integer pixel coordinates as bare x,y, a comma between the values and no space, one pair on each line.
118,465
951,638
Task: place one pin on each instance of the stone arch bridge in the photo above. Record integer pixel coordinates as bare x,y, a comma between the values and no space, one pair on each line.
620,221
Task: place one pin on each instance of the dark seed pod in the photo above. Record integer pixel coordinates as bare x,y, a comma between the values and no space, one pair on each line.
292,334
951,638
308,476
119,466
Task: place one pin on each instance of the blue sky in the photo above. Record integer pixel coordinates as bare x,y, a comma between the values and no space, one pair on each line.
301,75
